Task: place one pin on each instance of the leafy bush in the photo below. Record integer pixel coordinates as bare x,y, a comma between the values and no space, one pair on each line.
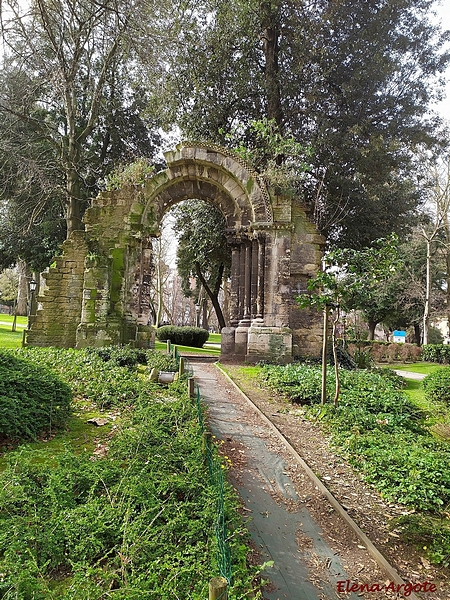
136,524
408,468
142,514
363,359
437,385
183,336
300,383
345,361
126,356
439,353
123,356
425,529
32,399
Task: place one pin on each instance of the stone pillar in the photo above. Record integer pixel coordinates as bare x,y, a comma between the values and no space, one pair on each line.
254,281
261,277
241,335
241,282
60,298
247,252
227,347
235,280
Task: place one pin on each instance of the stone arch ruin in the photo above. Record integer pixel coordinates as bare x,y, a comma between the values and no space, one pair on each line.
91,293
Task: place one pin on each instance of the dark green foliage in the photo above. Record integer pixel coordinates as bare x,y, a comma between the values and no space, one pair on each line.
333,85
90,377
301,384
439,353
122,356
437,385
410,469
362,358
380,431
136,524
33,399
427,532
345,361
183,336
144,514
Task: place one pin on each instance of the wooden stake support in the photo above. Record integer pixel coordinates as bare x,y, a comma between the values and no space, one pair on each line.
218,587
190,385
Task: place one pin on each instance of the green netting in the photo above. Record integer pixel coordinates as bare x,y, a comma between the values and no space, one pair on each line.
217,479
216,473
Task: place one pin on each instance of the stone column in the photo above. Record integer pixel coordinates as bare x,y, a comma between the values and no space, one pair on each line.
241,282
235,280
247,284
254,281
261,276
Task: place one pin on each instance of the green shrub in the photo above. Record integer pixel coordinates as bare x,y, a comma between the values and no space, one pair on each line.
126,523
32,399
432,531
439,353
182,336
363,359
437,385
345,361
122,356
410,469
300,383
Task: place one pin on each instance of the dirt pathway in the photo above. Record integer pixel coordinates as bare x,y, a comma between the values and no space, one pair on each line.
290,522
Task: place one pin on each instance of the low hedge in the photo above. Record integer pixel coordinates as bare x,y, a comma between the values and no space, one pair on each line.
33,400
183,336
437,385
439,353
385,352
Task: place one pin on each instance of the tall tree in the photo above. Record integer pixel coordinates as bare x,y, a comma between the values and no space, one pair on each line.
63,79
203,253
352,79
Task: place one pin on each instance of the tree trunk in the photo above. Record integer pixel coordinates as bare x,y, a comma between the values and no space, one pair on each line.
324,356
213,295
447,278
74,202
337,389
22,295
426,312
204,311
417,333
372,326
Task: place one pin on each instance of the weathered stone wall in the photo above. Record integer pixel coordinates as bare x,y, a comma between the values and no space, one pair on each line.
306,255
59,303
94,292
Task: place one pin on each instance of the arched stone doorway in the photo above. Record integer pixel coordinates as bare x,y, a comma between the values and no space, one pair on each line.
91,292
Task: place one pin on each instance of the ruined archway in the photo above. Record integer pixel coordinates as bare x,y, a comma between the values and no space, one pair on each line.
89,298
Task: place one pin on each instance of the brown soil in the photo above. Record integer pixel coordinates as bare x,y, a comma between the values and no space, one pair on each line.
362,502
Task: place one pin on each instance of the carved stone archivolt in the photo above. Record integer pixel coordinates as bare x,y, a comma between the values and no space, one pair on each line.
90,299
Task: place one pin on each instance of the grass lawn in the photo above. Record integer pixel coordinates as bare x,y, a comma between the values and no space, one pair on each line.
420,367
13,339
214,338
212,351
8,338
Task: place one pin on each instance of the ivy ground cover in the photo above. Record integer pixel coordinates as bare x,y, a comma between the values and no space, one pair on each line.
135,521
388,438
